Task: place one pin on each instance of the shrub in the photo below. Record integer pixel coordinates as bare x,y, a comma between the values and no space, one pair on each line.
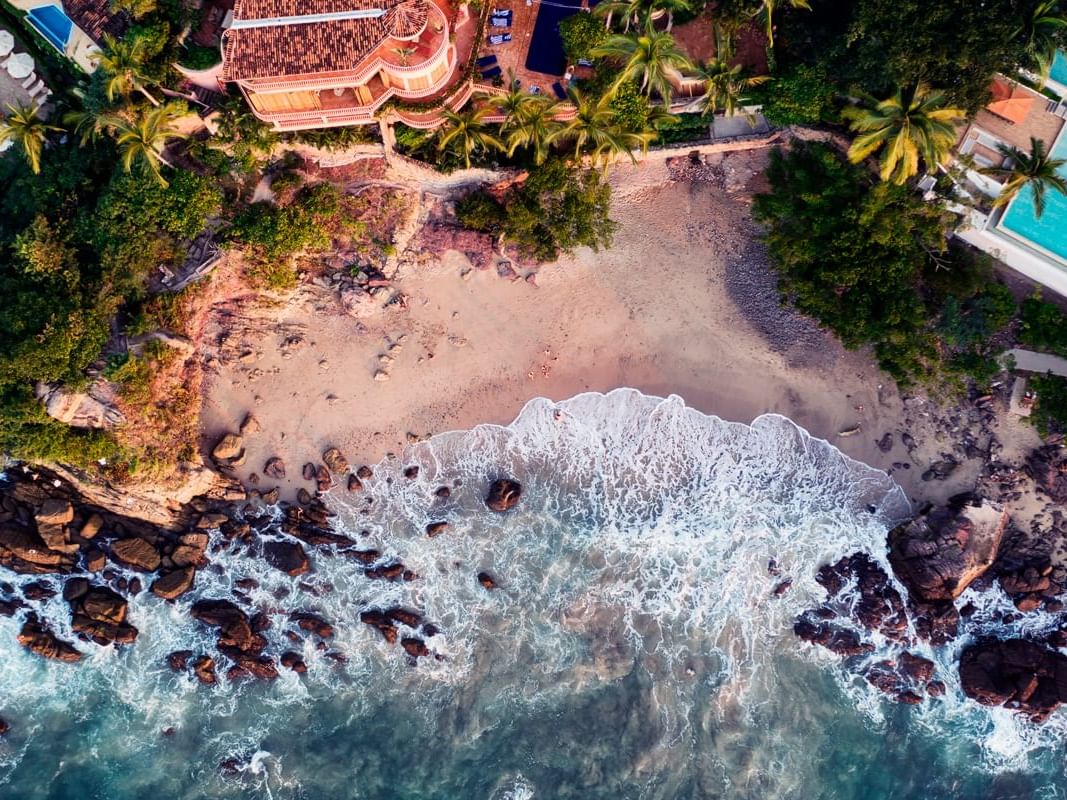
802,96
1049,414
1043,325
580,34
197,57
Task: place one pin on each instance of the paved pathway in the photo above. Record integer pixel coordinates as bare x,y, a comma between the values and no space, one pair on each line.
1029,361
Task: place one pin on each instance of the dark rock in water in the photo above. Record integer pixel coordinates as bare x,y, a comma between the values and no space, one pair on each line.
104,605
379,621
288,557
99,614
403,616
335,461
174,584
94,559
909,698
837,640
389,572
4,727
436,529
935,688
179,660
363,556
38,591
235,629
308,472
136,553
773,569
293,661
103,633
274,468
22,550
75,588
354,483
486,580
230,766
503,494
883,677
915,668
443,492
937,623
782,587
1015,673
248,664
880,606
939,554
414,647
245,584
38,639
313,624
364,472
411,472
430,630
204,670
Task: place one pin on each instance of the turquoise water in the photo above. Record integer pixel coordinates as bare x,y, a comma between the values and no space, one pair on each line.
1058,72
1050,230
633,649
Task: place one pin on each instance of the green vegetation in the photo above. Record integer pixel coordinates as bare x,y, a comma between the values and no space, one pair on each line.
558,208
1049,414
581,33
197,57
1043,326
1035,169
802,95
870,261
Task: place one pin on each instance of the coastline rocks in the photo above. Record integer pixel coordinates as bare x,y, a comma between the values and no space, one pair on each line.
1014,673
1049,468
841,641
364,472
335,461
229,448
179,660
274,468
38,639
414,647
312,623
379,621
136,553
99,614
204,670
503,495
938,555
487,581
173,585
293,661
288,557
23,551
435,529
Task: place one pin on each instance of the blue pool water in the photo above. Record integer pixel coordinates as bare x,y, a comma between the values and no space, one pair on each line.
52,24
1050,230
1059,68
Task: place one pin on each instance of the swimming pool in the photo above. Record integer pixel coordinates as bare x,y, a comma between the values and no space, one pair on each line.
1049,233
1058,72
52,24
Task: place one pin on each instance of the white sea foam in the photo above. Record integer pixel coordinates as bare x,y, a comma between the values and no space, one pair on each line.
638,553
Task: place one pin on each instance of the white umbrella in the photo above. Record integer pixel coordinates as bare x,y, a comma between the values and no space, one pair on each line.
7,42
20,65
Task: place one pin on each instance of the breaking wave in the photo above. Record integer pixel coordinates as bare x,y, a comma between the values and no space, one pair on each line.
635,646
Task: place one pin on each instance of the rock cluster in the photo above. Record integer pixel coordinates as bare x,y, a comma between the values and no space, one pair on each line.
1016,674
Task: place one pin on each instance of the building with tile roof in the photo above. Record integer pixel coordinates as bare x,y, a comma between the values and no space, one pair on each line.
324,63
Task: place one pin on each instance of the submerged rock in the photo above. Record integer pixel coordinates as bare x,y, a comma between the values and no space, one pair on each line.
289,557
38,639
503,495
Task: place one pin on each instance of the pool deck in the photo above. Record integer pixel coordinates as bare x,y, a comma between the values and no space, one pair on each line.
512,55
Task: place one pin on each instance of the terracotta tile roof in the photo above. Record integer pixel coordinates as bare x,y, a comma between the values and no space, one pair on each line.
341,45
96,18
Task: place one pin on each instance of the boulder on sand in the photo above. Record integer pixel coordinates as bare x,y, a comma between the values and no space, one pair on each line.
335,461
228,448
938,555
503,494
274,468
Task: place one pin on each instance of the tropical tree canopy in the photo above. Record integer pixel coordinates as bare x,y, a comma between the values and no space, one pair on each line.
915,123
25,128
142,140
650,58
533,126
1034,169
595,128
768,8
468,132
1043,31
123,62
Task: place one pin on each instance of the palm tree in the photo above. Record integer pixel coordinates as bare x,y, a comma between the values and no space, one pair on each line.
122,61
404,53
88,125
534,127
1034,169
469,131
652,56
143,139
1040,33
25,128
629,10
914,123
670,6
594,125
725,86
513,103
767,9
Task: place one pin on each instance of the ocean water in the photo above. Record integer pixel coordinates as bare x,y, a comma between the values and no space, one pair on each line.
634,647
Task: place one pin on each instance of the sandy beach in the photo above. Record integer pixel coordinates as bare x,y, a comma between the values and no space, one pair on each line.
683,303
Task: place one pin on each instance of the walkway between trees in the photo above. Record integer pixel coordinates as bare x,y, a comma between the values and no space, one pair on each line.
1029,361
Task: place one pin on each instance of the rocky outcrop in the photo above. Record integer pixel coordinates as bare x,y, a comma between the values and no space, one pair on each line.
37,638
238,639
938,555
136,553
289,557
503,495
1048,465
335,461
172,585
93,408
1017,674
99,613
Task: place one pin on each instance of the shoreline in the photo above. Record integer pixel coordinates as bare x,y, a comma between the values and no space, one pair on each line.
683,303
